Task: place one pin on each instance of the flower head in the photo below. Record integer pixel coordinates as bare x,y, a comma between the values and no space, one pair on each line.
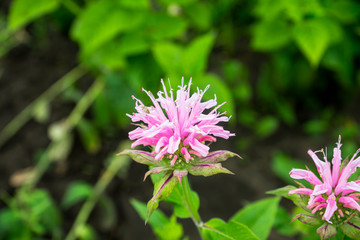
334,198
178,128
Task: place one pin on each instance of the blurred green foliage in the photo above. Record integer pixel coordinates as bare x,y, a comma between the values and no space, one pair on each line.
274,63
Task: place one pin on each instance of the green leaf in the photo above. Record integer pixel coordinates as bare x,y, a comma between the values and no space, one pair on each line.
259,216
101,21
195,56
160,26
266,126
345,11
217,229
282,222
176,198
77,192
162,190
200,13
11,225
24,11
351,228
271,35
89,135
313,39
86,232
177,2
168,56
42,209
132,43
282,165
162,226
295,198
137,4
108,56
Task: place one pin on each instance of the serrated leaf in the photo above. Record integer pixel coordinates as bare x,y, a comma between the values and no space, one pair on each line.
24,11
208,169
313,39
76,192
259,216
162,190
217,229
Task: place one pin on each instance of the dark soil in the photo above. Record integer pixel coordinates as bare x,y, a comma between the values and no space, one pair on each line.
27,72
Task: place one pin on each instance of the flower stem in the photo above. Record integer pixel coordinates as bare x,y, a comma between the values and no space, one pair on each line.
114,167
25,115
190,204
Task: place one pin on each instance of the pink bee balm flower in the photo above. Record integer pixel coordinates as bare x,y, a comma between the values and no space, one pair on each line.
333,197
178,128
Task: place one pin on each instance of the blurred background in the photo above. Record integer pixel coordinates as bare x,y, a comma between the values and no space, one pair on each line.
288,71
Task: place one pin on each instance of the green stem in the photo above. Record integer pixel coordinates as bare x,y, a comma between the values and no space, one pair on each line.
26,114
73,119
190,204
99,188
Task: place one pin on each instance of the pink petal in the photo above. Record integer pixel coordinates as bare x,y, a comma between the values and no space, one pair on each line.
322,167
305,174
173,144
336,162
331,207
321,189
349,202
322,205
199,147
306,191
